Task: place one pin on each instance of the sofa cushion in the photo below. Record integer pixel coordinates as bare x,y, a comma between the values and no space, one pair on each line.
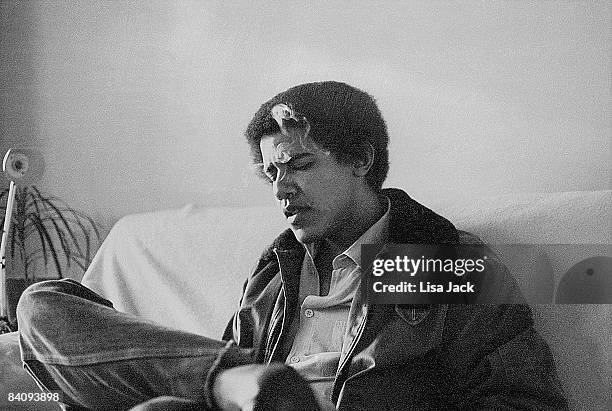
186,267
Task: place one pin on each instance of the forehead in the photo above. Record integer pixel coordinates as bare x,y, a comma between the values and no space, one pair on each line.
280,148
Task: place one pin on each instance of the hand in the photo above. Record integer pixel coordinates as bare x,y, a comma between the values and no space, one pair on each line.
264,387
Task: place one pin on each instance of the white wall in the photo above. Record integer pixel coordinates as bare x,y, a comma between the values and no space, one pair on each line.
141,105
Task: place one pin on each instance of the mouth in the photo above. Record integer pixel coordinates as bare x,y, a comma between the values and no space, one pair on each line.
294,214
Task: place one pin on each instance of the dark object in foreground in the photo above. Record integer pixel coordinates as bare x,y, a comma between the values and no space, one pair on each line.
5,326
282,388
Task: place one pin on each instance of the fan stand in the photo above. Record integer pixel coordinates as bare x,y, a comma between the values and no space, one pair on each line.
5,325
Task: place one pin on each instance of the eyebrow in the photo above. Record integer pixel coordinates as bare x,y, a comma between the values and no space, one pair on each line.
299,156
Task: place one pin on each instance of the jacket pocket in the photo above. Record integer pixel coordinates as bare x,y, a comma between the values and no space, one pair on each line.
413,314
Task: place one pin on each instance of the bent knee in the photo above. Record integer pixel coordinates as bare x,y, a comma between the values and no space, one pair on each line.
36,300
44,300
58,300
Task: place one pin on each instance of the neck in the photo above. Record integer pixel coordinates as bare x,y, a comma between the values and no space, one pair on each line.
367,211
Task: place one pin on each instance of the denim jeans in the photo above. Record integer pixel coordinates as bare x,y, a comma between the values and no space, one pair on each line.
74,342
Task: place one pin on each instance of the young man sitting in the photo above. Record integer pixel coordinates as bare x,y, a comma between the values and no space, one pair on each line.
323,148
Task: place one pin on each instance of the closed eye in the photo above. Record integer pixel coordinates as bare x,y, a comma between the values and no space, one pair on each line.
301,166
301,161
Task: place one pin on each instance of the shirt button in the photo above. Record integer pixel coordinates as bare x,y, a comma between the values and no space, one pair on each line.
294,359
308,313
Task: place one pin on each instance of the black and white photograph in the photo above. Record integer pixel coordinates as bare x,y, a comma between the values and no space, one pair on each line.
305,205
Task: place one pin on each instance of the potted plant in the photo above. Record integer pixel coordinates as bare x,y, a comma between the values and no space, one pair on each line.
46,239
45,233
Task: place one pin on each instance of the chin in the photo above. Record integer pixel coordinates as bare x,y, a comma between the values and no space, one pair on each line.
305,235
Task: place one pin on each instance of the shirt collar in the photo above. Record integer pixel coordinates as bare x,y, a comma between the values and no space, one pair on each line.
376,234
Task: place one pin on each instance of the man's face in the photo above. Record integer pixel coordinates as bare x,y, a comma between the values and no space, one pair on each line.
316,193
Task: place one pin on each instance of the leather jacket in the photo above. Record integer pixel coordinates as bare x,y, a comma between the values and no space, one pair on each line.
408,356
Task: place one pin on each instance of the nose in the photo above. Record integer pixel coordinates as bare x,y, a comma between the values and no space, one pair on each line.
284,188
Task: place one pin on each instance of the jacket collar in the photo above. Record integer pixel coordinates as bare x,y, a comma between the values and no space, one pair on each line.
413,223
409,223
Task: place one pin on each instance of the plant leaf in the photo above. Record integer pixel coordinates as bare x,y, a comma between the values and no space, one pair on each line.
60,233
77,214
63,242
4,193
48,203
51,208
91,222
41,227
42,241
80,264
87,238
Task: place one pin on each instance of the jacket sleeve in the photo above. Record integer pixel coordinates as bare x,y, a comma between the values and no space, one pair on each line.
248,324
232,331
228,332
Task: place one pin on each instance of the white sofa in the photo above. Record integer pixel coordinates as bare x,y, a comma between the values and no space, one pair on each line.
185,268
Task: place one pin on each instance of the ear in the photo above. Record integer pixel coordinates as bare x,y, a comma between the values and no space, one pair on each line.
364,160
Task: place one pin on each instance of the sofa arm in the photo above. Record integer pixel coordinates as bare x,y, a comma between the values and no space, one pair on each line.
15,379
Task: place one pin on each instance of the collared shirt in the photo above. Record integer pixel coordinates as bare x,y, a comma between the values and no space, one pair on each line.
321,321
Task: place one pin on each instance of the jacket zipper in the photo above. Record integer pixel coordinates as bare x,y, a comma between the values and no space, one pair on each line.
273,351
351,349
269,349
